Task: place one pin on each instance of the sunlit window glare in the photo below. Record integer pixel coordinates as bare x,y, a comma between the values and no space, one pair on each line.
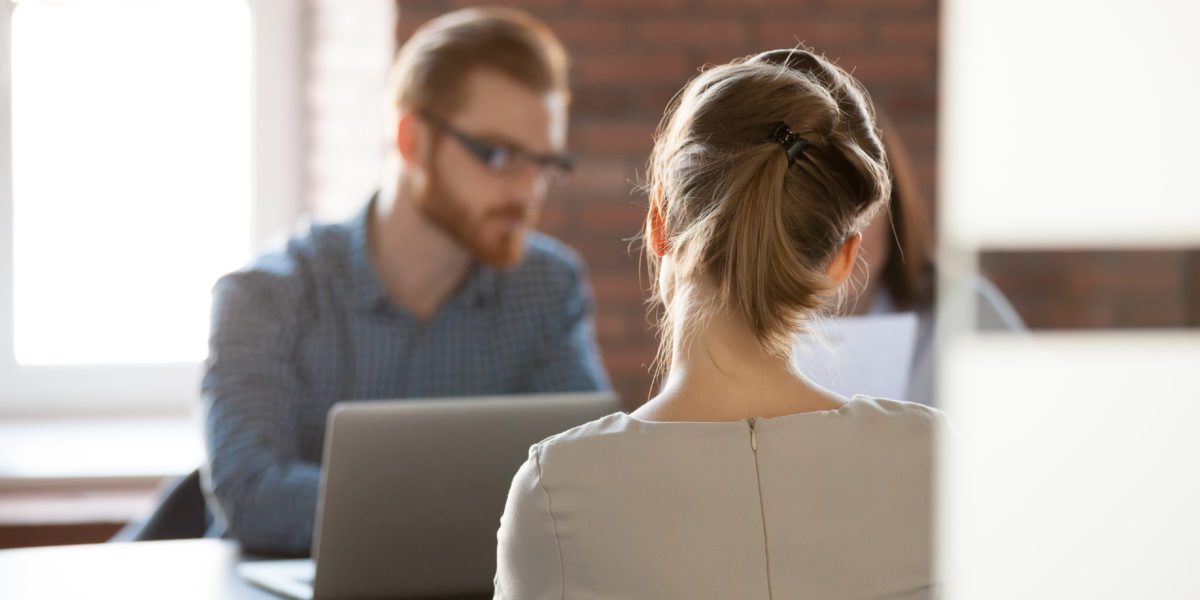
1078,132
131,175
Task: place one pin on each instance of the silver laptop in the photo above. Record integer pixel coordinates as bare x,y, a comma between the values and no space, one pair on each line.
412,492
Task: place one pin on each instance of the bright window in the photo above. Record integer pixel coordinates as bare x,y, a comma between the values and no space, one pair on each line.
146,148
131,146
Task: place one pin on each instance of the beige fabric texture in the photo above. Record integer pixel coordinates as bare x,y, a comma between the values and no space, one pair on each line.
831,504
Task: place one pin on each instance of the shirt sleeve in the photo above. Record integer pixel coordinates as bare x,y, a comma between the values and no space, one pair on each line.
569,360
528,557
264,493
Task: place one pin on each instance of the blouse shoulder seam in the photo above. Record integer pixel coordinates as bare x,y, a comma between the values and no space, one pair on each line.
562,572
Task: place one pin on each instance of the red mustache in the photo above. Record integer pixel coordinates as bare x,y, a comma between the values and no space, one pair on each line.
511,211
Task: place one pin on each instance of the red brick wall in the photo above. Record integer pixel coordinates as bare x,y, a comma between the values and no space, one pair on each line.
1102,289
631,56
346,57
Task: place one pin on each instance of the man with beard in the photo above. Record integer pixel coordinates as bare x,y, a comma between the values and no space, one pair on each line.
437,287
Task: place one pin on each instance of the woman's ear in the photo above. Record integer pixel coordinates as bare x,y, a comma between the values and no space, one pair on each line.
658,236
842,264
656,225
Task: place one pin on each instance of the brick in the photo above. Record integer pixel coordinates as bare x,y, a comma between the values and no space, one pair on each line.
599,177
910,34
606,254
715,54
925,168
615,287
1191,268
1058,314
880,7
632,383
1093,289
553,218
631,69
824,34
1116,282
607,99
617,138
910,104
611,326
916,134
630,360
635,6
903,68
589,33
690,32
633,389
625,218
746,6
1151,313
653,100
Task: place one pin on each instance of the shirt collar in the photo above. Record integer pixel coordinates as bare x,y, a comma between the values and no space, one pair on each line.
480,288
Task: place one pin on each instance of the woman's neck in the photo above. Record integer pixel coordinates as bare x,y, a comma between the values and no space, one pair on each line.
721,372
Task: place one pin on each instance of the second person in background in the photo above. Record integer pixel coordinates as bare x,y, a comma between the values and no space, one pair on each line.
437,287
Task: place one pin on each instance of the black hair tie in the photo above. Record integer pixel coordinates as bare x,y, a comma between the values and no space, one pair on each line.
793,145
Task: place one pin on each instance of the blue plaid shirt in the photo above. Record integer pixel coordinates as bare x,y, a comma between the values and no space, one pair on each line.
310,325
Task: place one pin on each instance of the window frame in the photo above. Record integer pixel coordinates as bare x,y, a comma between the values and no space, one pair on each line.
277,103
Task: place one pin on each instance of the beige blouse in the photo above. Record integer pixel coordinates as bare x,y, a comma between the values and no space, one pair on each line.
830,504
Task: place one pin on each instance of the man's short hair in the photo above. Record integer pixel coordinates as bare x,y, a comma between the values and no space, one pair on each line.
432,65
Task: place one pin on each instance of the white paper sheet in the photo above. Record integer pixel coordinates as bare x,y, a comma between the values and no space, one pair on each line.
869,355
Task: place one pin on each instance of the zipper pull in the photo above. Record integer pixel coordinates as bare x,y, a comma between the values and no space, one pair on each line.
753,437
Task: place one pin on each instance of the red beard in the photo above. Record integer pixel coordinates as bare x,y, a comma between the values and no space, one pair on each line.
483,235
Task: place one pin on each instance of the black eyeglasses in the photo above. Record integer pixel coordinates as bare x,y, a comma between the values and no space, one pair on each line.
506,159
